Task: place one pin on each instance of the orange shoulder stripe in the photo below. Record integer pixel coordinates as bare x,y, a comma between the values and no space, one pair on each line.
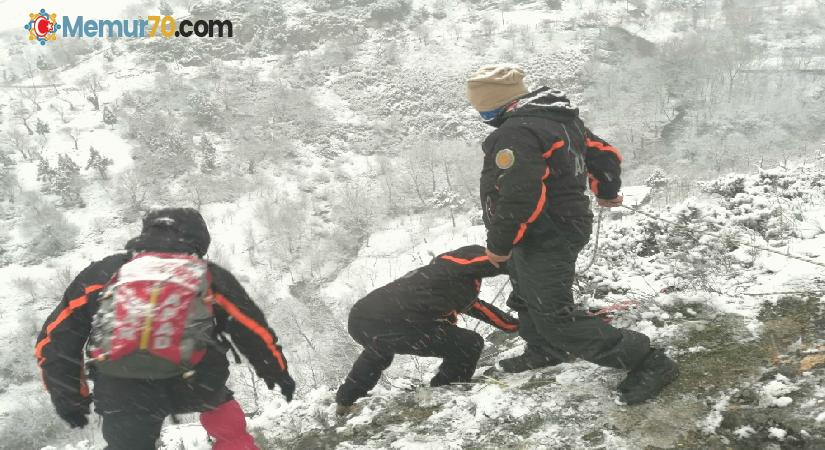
494,317
539,207
590,143
64,314
253,326
553,148
465,262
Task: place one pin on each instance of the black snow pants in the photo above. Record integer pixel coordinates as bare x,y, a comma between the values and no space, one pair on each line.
543,268
133,410
382,340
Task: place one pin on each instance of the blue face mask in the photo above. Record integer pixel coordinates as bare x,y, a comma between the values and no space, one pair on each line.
491,115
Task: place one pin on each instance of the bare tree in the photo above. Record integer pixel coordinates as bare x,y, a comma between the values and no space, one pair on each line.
23,113
33,94
90,85
9,184
422,32
505,6
29,287
134,189
73,133
733,54
21,142
488,26
52,77
61,111
386,174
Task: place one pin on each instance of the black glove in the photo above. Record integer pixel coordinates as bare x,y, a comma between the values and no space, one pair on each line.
75,418
286,383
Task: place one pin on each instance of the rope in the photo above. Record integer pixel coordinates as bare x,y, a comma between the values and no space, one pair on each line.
745,244
500,290
783,293
595,243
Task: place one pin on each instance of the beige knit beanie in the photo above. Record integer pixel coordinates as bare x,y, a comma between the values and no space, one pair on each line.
492,87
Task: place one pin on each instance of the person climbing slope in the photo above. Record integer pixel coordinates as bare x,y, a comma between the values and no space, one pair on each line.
416,315
152,320
538,163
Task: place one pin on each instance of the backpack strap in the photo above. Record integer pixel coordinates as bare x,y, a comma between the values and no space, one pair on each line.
226,342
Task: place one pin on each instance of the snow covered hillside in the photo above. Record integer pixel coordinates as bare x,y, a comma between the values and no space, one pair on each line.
747,330
330,148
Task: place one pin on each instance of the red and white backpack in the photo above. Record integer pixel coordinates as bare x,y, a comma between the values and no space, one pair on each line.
155,317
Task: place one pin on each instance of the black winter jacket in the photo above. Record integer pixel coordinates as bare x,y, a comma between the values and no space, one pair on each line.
448,286
59,348
539,159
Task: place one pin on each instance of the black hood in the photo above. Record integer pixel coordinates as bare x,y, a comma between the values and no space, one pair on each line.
174,230
544,102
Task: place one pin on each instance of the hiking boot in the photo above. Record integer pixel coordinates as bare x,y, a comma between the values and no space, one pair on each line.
342,410
528,360
648,378
439,380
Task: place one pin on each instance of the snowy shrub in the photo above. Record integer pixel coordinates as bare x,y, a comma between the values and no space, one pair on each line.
41,128
284,221
657,179
439,9
319,29
17,363
8,180
676,5
449,200
109,116
133,191
197,52
354,207
5,253
29,288
165,151
553,4
761,214
727,186
389,10
678,248
651,235
769,203
206,109
45,175
199,189
99,163
262,23
208,155
31,424
48,230
67,182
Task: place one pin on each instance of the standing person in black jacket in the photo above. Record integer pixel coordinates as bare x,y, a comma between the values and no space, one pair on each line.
537,164
133,409
416,315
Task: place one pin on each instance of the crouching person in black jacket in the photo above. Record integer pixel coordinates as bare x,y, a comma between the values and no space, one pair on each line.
416,315
152,319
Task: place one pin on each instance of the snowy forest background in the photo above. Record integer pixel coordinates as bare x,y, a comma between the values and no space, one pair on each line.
330,148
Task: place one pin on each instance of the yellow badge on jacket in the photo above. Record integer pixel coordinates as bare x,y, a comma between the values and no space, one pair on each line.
505,159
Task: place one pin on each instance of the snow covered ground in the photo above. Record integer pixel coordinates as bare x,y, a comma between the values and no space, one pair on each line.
719,339
746,325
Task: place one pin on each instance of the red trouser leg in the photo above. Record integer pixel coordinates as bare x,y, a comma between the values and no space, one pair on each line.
227,425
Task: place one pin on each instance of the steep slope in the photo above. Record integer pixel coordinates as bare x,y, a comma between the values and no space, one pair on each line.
752,364
343,146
